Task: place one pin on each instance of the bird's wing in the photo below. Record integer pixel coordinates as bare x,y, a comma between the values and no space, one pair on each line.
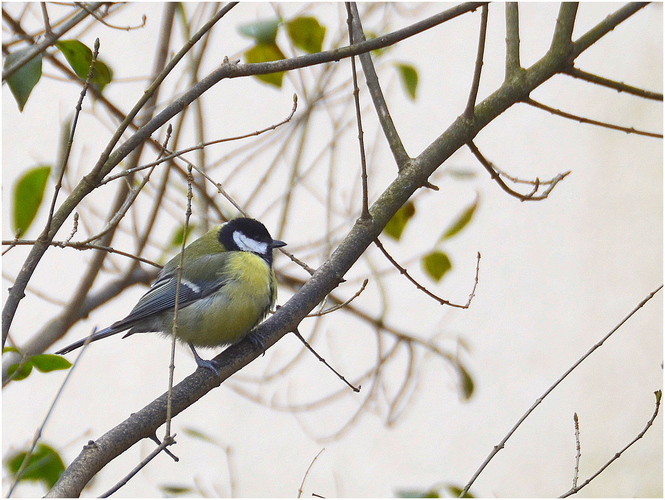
162,294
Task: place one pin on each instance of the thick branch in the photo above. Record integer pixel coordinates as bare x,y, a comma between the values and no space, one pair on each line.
513,64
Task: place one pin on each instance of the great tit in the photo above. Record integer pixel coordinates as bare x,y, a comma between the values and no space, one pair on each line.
227,287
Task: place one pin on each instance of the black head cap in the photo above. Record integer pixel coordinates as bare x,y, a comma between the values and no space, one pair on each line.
248,235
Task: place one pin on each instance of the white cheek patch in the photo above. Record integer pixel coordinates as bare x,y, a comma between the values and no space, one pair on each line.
248,244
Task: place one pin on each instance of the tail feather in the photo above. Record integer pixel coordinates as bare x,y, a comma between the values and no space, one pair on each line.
102,334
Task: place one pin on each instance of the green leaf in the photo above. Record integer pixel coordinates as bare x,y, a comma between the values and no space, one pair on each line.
19,371
461,173
409,77
397,223
467,385
175,491
27,197
264,31
306,33
262,52
190,431
455,491
436,264
49,362
176,239
418,494
42,362
24,80
79,57
44,465
102,75
461,222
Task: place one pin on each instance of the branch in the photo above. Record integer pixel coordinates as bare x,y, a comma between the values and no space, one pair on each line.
563,32
575,489
513,65
605,26
468,112
495,173
389,130
502,444
364,214
612,84
581,119
423,289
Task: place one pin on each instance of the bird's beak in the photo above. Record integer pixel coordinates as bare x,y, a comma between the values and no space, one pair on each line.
277,244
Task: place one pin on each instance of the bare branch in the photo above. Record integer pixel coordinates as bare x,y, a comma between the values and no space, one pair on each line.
575,489
578,450
563,32
502,443
513,65
473,94
387,124
311,349
420,287
618,86
364,214
496,174
581,119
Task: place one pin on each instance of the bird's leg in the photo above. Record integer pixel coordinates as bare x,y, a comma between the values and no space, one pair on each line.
204,363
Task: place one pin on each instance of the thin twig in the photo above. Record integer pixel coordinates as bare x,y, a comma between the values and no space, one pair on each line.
613,84
311,349
156,440
620,452
364,214
70,140
168,441
40,429
113,26
82,246
388,126
581,119
502,443
47,23
169,155
420,287
174,330
345,303
495,173
300,490
473,94
578,450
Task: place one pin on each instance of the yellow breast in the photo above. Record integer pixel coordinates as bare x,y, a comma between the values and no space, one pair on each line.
227,315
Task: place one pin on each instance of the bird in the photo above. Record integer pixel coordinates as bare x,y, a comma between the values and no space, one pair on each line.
227,287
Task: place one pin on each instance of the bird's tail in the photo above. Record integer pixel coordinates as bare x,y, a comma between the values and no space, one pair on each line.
95,335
